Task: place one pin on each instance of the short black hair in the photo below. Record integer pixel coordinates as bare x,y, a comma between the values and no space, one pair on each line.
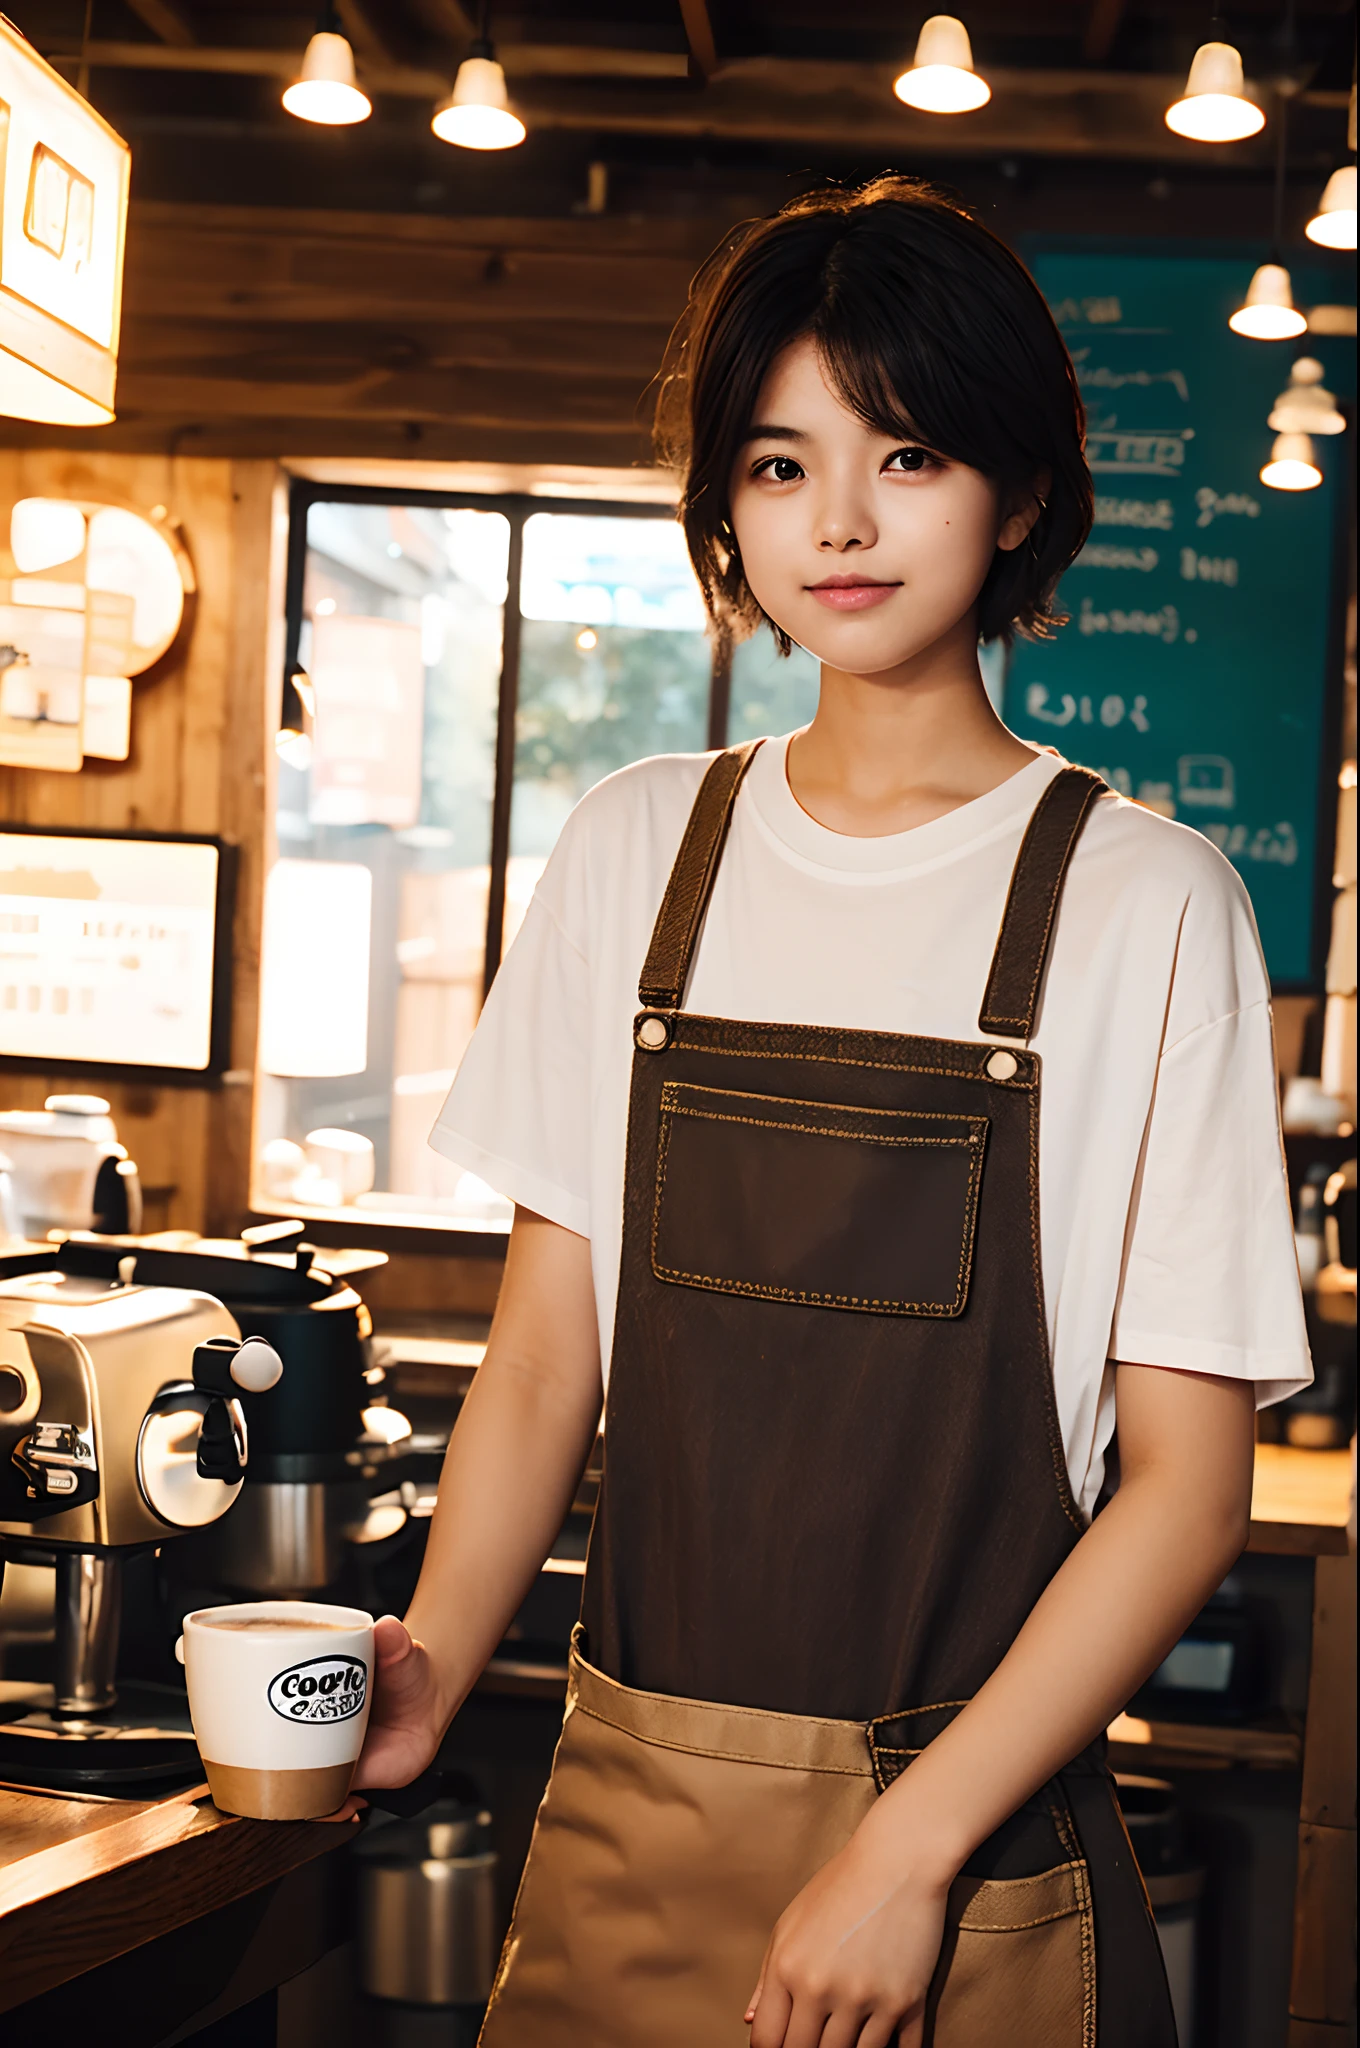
929,326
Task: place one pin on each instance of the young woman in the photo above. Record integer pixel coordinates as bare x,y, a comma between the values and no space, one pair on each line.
893,1108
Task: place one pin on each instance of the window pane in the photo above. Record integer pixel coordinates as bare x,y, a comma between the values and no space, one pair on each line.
770,694
403,617
615,664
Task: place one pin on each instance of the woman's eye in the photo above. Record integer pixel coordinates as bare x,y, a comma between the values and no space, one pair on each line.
781,469
909,462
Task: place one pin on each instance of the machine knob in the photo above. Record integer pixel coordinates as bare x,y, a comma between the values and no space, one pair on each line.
257,1366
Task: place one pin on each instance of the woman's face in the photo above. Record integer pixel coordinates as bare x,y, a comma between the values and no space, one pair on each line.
866,550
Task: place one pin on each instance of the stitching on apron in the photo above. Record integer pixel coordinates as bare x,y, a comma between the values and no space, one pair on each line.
1050,1399
734,1756
1067,1835
1018,1084
760,1291
1026,1023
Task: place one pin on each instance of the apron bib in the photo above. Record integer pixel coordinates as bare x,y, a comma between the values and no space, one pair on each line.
835,1488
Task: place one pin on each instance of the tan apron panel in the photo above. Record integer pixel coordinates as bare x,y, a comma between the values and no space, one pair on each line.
672,1836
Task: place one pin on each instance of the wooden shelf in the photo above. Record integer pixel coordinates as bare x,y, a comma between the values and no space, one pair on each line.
1301,1502
1273,1745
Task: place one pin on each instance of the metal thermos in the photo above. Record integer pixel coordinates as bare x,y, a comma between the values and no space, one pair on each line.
427,1907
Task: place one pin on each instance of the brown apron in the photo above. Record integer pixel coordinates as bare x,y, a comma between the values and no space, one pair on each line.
835,1488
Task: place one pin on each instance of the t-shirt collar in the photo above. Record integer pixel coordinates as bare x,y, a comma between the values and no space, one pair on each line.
894,853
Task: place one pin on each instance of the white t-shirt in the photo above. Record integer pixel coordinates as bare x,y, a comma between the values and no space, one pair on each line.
1167,1235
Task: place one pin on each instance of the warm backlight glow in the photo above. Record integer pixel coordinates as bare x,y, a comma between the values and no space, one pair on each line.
63,204
1215,107
941,89
314,968
1333,225
1291,466
476,115
44,532
1268,312
942,79
325,91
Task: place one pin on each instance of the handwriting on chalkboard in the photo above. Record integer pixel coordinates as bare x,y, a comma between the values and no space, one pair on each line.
1100,377
1099,554
1197,568
1218,505
1164,624
1111,710
1112,450
1153,515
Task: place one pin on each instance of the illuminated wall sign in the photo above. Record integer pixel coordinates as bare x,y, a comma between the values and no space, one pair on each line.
63,210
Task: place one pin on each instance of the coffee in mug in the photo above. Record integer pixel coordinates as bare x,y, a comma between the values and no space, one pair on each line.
279,1697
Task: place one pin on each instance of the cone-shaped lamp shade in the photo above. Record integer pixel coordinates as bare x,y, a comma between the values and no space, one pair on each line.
1306,407
942,79
64,177
1333,225
1215,107
325,90
1292,466
476,115
1268,312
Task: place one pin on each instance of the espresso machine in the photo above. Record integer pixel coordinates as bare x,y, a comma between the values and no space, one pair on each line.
122,1428
327,1452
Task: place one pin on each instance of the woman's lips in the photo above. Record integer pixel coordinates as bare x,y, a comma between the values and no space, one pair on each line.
850,594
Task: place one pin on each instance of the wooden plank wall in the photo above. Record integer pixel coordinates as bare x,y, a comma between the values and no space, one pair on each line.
200,749
256,331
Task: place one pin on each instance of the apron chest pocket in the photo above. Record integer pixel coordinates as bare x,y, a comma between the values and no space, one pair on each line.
816,1202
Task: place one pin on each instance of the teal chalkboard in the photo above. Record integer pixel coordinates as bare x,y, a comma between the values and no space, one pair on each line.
1198,671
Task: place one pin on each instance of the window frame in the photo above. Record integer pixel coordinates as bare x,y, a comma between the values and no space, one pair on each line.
421,1234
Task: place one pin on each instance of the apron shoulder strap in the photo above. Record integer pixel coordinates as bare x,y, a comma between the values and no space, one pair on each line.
1017,973
676,932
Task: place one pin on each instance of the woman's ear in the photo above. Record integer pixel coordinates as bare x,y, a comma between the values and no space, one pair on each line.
1020,511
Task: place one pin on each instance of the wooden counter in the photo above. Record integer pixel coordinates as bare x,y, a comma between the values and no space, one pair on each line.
83,1880
1300,1502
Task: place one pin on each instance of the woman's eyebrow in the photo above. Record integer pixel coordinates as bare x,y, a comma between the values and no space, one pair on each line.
759,433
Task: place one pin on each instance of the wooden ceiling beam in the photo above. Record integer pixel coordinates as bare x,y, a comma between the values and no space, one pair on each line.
165,20
1103,24
837,106
698,24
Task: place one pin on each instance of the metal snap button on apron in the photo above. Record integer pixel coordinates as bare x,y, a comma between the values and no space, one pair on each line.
653,1034
1003,1066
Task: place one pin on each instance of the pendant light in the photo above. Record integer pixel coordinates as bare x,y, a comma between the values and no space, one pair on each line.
941,79
325,90
1215,107
64,176
1292,465
1306,407
1333,225
476,114
1268,312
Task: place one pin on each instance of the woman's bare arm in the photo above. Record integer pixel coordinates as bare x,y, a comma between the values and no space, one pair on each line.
851,1959
513,1464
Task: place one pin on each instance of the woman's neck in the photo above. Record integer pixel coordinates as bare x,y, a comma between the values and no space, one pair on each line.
888,752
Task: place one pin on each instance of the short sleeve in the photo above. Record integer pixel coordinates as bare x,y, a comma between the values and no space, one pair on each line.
1210,1279
517,1114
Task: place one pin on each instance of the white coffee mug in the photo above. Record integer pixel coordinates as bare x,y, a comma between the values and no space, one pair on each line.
279,1696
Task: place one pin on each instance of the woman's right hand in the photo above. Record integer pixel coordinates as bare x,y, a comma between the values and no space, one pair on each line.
406,1719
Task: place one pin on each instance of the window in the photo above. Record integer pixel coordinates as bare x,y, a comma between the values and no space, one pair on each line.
467,669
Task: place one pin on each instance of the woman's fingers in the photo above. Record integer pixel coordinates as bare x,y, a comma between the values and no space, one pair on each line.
772,2007
754,2000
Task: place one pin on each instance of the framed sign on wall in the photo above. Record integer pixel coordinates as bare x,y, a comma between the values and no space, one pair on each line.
115,951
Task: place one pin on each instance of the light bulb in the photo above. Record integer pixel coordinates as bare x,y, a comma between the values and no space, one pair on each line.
1333,225
1268,312
942,79
476,115
325,90
1292,466
44,532
1215,107
1306,407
